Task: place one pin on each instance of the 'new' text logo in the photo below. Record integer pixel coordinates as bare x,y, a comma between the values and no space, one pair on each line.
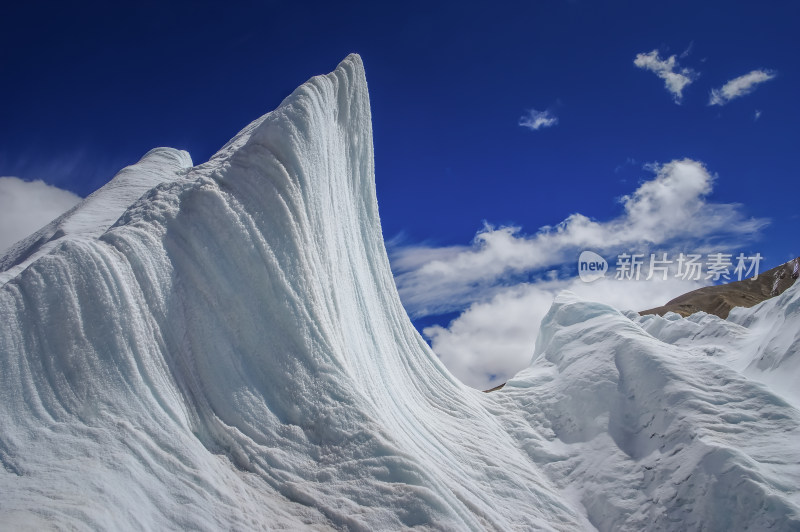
591,266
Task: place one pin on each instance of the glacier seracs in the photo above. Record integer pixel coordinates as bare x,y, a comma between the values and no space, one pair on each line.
222,347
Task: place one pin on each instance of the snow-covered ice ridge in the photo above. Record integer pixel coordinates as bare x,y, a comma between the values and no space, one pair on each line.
223,347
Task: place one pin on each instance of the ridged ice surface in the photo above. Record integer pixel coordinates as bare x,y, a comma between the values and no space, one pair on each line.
223,347
94,215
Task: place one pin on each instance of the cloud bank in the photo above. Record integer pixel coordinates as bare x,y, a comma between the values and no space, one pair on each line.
27,206
492,340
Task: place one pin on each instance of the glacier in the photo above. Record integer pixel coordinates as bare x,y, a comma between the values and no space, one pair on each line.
222,346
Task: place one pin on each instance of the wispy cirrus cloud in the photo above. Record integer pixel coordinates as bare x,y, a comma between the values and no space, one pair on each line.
675,78
505,280
688,50
536,120
741,86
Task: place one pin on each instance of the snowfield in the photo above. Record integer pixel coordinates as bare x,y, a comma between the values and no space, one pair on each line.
222,347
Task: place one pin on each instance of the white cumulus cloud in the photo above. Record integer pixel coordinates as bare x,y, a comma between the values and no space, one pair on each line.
27,206
738,87
535,120
675,78
672,207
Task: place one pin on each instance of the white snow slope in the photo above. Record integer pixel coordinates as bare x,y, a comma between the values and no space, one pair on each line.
223,347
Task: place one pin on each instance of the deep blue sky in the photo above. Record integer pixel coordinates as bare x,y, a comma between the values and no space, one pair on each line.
87,89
